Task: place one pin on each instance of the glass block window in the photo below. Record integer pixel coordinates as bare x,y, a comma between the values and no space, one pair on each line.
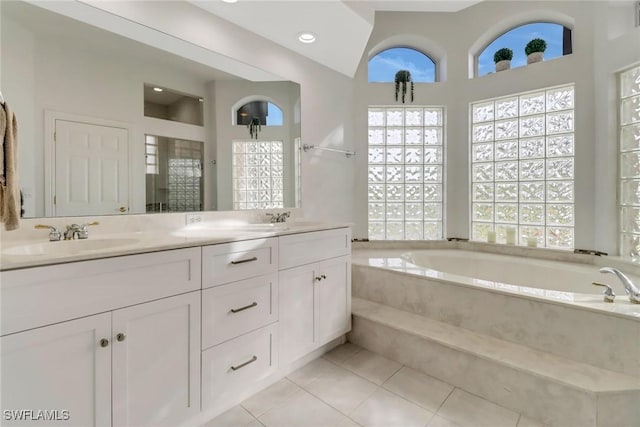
522,167
405,173
258,174
185,177
630,163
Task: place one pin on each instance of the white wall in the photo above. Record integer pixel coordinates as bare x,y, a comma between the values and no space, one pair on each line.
455,34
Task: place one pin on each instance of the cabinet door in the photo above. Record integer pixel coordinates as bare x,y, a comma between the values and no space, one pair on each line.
156,362
63,368
296,306
333,299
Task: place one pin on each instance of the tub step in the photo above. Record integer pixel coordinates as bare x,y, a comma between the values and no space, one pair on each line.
543,386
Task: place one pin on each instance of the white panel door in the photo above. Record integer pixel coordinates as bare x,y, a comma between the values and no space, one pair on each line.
333,298
156,362
91,169
296,306
63,367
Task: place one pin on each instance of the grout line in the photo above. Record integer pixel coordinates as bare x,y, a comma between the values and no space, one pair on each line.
518,421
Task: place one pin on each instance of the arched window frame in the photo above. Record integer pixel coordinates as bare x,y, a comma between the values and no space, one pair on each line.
511,23
435,64
421,44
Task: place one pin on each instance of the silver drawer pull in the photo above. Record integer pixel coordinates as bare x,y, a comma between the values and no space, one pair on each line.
242,261
246,307
248,362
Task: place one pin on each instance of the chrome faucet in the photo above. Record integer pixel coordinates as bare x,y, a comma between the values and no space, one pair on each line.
631,289
79,231
54,234
281,217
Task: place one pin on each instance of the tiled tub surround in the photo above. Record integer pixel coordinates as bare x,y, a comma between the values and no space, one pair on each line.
563,358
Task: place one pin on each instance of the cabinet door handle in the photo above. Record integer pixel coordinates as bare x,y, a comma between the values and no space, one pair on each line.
246,307
242,365
104,342
321,277
242,261
121,337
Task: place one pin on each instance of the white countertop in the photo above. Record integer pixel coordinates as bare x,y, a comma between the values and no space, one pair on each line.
137,242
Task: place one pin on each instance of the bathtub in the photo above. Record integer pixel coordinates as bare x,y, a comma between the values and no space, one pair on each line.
517,330
569,282
540,303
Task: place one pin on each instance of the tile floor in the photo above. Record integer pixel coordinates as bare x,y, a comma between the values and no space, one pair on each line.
351,386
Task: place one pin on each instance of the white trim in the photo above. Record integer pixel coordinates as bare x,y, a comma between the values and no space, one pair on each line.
50,118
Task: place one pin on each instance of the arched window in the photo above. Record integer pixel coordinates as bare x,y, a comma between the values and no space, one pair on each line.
268,113
384,66
557,37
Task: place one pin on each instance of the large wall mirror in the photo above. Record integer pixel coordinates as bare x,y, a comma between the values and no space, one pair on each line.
86,146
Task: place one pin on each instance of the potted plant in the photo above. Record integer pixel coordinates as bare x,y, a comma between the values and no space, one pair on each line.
402,78
502,58
534,50
254,127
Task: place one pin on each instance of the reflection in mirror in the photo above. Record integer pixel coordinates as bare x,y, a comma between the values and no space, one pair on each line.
266,112
174,174
56,69
167,104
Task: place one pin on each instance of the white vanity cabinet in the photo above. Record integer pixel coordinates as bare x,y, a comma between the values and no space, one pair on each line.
132,364
239,315
60,367
315,291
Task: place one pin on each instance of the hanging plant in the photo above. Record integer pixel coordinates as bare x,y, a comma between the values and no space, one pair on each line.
402,78
254,127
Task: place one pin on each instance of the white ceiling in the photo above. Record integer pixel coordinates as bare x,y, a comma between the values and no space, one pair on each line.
342,27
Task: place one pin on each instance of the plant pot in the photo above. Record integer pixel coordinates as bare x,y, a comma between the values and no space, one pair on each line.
505,64
534,57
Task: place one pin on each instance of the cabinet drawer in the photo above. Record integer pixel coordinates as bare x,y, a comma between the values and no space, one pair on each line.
237,308
231,367
39,296
305,248
235,261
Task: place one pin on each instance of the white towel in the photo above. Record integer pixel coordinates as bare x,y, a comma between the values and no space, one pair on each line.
9,183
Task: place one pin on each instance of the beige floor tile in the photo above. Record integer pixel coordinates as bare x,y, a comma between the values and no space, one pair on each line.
439,421
275,395
528,422
419,388
234,417
385,409
342,352
336,386
371,366
304,410
472,411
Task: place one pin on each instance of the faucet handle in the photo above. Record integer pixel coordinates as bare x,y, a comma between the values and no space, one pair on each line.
608,294
83,230
54,234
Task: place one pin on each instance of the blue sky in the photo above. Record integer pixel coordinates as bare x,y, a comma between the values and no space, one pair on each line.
274,116
383,67
516,40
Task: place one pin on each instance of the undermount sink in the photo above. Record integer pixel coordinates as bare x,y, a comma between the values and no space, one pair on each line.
66,247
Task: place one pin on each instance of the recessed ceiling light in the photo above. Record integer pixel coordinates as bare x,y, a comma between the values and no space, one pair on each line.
158,89
307,37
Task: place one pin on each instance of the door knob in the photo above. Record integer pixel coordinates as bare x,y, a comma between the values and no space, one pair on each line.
121,337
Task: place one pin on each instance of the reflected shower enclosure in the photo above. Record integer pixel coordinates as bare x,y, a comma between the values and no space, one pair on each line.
173,174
